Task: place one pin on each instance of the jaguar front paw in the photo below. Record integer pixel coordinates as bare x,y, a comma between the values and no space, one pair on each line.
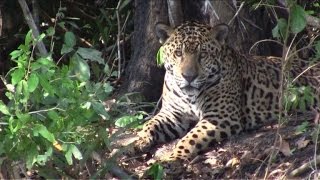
172,167
139,146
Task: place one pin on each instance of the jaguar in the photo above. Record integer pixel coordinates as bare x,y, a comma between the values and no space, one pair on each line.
212,92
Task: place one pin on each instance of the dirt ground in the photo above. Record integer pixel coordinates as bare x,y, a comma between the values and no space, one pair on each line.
288,151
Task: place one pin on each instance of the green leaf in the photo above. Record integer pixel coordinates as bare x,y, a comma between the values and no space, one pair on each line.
16,53
33,82
90,54
69,39
50,31
100,109
156,171
46,85
302,127
31,156
125,121
66,49
114,73
17,76
160,60
280,31
41,36
53,115
42,159
106,69
68,155
25,91
47,61
75,151
107,88
297,18
80,68
3,108
24,118
72,150
43,131
28,38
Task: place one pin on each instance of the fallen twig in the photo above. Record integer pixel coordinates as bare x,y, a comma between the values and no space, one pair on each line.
305,167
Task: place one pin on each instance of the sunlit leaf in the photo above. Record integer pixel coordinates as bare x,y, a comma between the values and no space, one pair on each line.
126,120
160,60
80,68
17,76
72,150
33,82
16,53
156,171
28,38
3,108
75,151
43,131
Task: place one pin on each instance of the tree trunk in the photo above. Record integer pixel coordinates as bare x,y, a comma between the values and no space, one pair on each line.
143,74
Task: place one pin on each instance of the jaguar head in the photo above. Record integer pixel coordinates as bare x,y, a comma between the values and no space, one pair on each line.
192,53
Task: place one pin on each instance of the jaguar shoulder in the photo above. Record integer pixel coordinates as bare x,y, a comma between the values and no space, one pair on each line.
212,92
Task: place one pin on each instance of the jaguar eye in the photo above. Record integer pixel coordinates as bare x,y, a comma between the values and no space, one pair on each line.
178,53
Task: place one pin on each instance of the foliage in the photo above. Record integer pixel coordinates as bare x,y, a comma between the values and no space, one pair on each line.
156,171
298,98
52,110
129,120
295,97
302,127
295,23
160,60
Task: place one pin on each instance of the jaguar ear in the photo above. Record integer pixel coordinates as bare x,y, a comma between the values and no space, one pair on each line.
163,32
220,33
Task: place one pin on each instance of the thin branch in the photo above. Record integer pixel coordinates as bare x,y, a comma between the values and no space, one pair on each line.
46,110
28,16
118,39
236,14
265,40
309,67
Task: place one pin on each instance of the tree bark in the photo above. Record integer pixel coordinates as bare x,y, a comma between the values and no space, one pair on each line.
143,74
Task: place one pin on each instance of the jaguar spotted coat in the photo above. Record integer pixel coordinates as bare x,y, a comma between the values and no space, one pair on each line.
211,92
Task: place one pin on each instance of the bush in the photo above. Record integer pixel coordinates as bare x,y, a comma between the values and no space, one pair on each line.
53,111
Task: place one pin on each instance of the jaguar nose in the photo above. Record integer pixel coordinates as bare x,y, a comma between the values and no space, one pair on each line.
189,77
